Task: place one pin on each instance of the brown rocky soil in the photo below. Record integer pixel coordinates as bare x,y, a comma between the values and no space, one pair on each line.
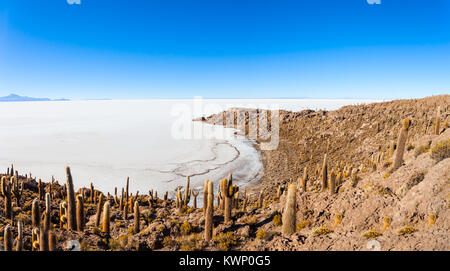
405,209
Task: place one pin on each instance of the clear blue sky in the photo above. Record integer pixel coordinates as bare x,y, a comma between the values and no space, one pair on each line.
224,48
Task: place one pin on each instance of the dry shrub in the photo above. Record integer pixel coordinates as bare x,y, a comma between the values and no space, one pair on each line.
441,150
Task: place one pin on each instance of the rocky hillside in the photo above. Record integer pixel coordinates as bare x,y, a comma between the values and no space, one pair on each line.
356,200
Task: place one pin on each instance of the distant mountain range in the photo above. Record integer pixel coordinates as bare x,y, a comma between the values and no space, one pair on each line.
18,98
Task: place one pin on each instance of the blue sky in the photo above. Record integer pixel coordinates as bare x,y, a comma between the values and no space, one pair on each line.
128,49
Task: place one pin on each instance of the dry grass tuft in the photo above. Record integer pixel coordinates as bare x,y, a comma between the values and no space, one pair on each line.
441,150
372,233
407,230
323,230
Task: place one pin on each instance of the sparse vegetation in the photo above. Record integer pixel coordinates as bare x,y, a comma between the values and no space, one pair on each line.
186,228
431,220
303,224
372,233
225,241
277,220
323,230
441,150
387,223
407,230
337,219
158,224
261,234
422,149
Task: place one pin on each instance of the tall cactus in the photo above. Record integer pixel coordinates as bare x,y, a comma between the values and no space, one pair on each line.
325,172
304,180
125,211
437,125
127,189
51,241
391,148
290,211
116,199
401,143
105,223
205,196
80,213
195,195
62,214
41,190
137,218
187,192
261,199
17,189
43,239
180,200
91,193
48,212
332,182
122,199
71,207
99,210
209,212
7,239
19,243
35,239
35,213
6,193
228,191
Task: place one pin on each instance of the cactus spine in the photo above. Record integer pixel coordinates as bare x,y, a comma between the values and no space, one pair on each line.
401,143
209,212
35,213
105,226
437,125
80,213
289,214
8,243
71,208
325,172
99,210
137,227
